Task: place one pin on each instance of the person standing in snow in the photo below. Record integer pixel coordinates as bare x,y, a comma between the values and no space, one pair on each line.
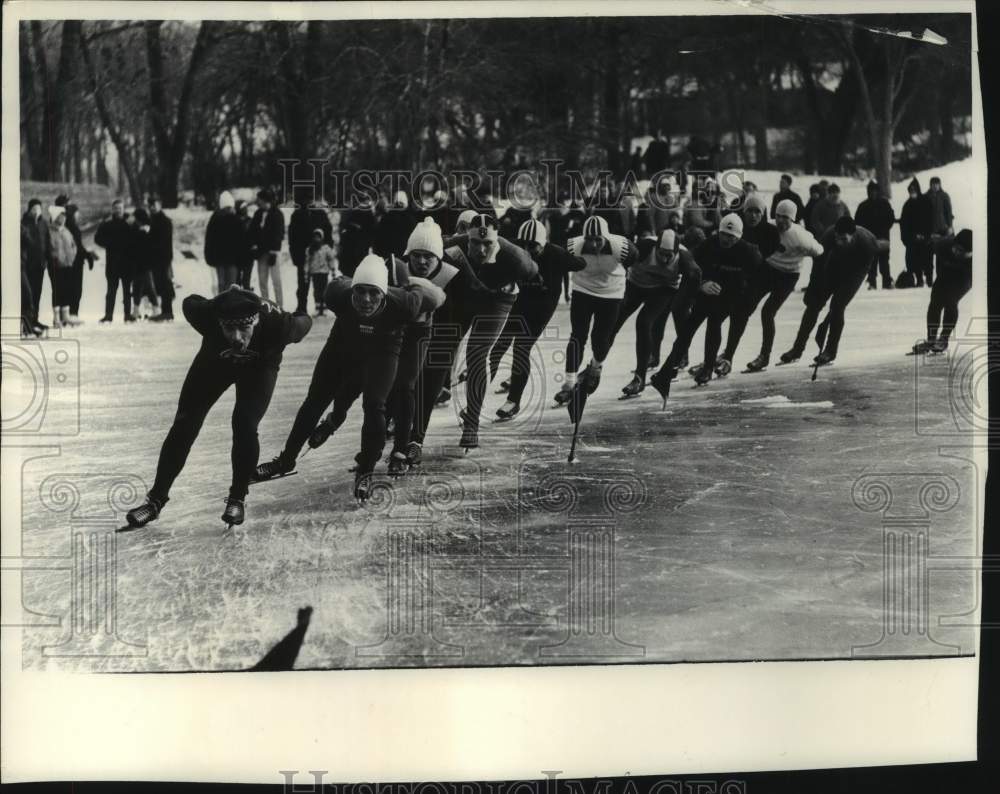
225,243
62,253
941,218
785,193
915,231
114,235
827,212
161,234
319,265
267,232
876,215
306,218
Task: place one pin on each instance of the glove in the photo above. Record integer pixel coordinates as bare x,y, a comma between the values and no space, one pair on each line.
711,288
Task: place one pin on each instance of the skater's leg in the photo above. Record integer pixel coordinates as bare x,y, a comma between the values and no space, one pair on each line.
955,289
444,340
263,273
205,382
838,307
537,314
718,312
634,298
482,335
328,373
403,400
602,334
380,373
301,288
742,312
253,395
657,305
697,315
815,299
934,310
783,286
581,311
514,327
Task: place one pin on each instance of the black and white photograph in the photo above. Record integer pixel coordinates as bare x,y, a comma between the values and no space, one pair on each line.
470,341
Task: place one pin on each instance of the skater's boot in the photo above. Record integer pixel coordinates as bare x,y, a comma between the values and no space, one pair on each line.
791,356
507,411
758,363
470,433
146,512
692,371
105,320
591,377
634,388
662,379
398,464
234,512
723,367
920,348
563,395
362,484
273,469
683,362
823,359
324,430
939,345
503,388
443,397
414,453
702,376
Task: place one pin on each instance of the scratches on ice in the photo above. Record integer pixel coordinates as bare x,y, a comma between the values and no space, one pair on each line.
781,401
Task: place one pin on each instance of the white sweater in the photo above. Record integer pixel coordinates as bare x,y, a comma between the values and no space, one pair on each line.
797,244
604,275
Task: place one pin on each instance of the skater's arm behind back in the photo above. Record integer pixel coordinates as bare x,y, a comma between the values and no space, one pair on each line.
198,312
429,297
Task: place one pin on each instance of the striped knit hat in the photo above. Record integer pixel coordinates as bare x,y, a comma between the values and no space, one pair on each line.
596,226
532,231
484,227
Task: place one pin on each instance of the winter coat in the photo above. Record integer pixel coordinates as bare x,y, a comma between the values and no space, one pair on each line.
161,241
392,232
321,260
554,262
225,242
765,236
37,243
941,215
791,196
793,246
731,267
915,221
876,215
840,266
357,232
267,231
948,265
63,250
300,228
648,273
512,220
825,214
114,235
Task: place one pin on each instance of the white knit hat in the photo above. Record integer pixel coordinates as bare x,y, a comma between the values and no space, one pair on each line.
426,236
731,224
372,272
596,226
465,218
226,200
787,208
532,231
55,211
669,241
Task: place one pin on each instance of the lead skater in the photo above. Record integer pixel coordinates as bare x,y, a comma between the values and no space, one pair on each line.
243,338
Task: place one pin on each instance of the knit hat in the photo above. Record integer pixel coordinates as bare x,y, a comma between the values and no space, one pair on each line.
786,178
465,218
786,208
731,224
755,200
34,203
935,180
964,239
595,226
236,307
845,225
669,240
141,217
914,185
55,211
226,200
693,237
531,231
426,236
372,272
484,227
62,200
871,184
266,195
833,187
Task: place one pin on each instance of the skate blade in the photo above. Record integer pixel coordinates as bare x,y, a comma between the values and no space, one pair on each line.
501,419
786,363
629,396
275,477
752,371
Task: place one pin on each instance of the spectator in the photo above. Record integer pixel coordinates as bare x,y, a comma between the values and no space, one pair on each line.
161,252
942,219
915,231
225,243
815,194
114,236
828,211
82,255
62,253
702,212
142,263
635,165
246,261
785,192
307,217
37,244
29,323
320,265
875,214
267,234
357,233
394,227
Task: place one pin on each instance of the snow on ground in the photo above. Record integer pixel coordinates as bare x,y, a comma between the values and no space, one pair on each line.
730,525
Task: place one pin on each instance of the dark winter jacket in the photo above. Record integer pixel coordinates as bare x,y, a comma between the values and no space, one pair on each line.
941,215
300,228
948,265
141,248
765,236
839,266
82,254
793,197
876,215
512,266
161,234
357,234
512,220
915,219
647,272
114,235
393,231
267,231
35,239
225,240
730,268
554,262
826,213
273,332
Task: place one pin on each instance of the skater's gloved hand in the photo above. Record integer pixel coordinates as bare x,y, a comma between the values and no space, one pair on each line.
711,288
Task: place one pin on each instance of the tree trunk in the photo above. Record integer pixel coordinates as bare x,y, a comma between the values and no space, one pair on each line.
612,98
29,108
760,128
50,132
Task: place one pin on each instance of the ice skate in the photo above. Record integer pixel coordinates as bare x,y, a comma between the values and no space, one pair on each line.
759,364
146,512
635,387
692,371
939,346
823,359
507,411
790,356
234,512
661,381
922,348
563,395
273,470
702,376
362,485
503,388
398,464
414,453
591,378
723,367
